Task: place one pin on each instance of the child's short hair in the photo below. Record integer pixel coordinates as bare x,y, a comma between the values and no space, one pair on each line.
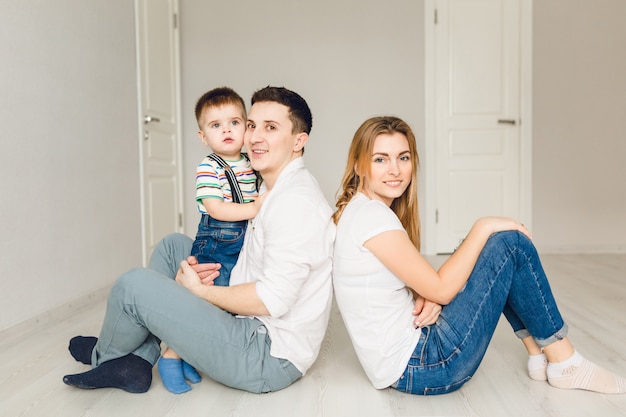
219,97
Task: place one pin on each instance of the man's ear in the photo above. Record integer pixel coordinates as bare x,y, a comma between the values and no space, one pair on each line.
301,140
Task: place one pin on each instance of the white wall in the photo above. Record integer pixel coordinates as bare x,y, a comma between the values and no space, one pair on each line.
349,59
352,59
579,146
69,214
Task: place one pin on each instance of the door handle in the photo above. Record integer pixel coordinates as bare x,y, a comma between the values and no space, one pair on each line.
507,121
148,119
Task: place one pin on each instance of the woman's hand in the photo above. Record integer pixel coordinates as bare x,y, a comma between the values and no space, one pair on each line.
501,224
426,312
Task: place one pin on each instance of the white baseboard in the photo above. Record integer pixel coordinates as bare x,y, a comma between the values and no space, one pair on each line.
59,313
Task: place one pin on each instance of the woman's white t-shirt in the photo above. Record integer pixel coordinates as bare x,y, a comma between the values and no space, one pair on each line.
375,305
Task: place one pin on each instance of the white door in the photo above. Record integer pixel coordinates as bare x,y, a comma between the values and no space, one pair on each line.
477,115
157,49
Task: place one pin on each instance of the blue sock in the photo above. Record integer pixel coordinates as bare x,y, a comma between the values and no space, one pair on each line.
171,371
190,373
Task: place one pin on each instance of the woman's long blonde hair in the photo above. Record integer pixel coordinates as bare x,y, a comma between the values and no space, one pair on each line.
360,159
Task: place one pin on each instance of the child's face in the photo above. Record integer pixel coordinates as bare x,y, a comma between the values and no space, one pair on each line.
222,129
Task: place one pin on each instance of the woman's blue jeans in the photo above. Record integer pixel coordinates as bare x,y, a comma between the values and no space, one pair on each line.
219,242
507,278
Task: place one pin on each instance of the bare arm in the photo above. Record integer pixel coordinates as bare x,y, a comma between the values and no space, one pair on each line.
462,261
237,299
395,250
230,212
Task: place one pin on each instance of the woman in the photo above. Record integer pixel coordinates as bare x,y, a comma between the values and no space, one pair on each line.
391,299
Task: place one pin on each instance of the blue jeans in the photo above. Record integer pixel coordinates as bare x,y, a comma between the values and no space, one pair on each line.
146,306
507,278
220,242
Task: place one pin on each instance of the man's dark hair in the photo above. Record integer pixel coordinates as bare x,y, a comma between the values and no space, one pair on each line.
299,112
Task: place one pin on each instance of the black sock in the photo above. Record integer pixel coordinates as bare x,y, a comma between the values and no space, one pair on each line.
81,348
129,373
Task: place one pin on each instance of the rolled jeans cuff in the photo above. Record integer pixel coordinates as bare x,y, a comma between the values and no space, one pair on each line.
559,335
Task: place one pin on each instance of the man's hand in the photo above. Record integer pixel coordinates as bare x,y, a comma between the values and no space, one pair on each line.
206,272
238,299
188,277
195,276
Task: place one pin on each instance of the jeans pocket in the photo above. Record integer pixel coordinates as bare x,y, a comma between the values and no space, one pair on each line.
229,243
230,234
445,344
198,247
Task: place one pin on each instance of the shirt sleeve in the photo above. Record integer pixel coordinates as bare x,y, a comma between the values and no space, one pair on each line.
365,228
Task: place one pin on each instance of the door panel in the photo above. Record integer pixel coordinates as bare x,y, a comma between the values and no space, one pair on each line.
159,102
162,211
477,87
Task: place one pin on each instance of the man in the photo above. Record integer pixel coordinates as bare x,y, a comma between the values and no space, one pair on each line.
280,293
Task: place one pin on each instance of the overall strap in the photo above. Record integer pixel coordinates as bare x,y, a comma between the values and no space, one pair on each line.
230,176
259,180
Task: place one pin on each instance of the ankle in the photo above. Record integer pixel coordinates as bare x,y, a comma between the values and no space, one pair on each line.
81,348
170,354
537,366
556,369
559,351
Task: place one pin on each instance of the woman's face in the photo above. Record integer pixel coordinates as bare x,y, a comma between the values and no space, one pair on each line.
390,168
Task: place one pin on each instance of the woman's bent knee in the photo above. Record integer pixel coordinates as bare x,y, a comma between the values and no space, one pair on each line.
510,238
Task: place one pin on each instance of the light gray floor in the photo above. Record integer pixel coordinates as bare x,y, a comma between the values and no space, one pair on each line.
590,289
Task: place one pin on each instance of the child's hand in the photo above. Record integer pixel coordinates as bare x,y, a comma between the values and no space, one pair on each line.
259,201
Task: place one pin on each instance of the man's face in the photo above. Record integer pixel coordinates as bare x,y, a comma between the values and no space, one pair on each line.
269,139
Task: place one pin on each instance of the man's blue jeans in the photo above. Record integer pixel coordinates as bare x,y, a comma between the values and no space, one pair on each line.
219,242
507,278
146,306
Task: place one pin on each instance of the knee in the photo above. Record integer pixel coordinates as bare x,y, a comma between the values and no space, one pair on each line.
511,238
174,240
130,281
169,252
139,286
171,244
512,241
